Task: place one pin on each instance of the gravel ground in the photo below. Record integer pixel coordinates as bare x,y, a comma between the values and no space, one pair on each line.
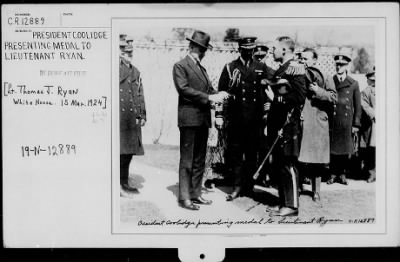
356,201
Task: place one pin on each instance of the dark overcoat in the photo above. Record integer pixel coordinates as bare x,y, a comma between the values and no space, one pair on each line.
315,139
193,86
346,114
131,109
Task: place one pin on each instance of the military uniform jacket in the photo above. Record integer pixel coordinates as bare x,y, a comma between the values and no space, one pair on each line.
245,108
132,107
346,114
193,86
292,102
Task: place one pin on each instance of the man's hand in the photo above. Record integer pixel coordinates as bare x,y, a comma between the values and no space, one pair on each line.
354,129
140,121
313,87
267,106
218,98
270,93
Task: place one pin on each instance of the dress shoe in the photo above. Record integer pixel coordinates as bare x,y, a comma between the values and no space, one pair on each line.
343,180
128,193
316,197
372,176
201,201
287,212
272,208
128,188
188,205
233,196
331,180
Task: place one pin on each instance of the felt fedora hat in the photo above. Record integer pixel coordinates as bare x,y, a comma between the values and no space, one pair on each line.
201,39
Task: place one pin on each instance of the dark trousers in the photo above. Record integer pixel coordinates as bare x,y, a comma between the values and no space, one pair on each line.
193,147
314,171
339,165
243,144
124,162
288,181
369,158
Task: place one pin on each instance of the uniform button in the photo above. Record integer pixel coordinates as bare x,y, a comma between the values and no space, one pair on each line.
334,113
242,82
255,90
131,109
120,90
347,92
244,99
334,105
243,90
255,82
122,99
130,91
123,109
347,99
254,100
345,114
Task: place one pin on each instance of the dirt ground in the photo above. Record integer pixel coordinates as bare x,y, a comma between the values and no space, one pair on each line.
156,176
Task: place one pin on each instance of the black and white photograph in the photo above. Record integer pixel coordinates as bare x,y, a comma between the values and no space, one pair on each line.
246,123
200,127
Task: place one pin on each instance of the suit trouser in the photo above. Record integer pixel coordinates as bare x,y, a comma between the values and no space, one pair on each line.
288,181
243,142
369,158
124,162
193,148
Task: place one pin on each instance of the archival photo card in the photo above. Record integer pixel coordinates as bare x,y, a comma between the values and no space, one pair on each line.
169,125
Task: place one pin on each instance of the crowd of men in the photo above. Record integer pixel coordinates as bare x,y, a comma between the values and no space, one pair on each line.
291,124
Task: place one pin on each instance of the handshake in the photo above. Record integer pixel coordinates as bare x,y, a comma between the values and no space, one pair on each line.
219,97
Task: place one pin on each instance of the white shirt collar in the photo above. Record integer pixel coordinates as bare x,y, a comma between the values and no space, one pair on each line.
342,77
194,58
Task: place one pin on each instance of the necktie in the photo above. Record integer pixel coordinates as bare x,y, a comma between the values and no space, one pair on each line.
202,69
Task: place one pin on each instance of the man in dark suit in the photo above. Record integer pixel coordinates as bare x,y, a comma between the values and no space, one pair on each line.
243,78
132,115
194,119
346,120
289,86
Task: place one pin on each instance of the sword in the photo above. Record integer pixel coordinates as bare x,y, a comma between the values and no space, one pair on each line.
280,132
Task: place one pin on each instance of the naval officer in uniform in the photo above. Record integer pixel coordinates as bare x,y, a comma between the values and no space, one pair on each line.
284,119
132,115
245,80
346,120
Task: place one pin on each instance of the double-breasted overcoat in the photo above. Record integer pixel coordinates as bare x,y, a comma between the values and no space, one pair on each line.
346,114
132,109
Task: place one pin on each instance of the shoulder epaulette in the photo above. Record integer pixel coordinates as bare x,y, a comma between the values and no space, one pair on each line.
295,68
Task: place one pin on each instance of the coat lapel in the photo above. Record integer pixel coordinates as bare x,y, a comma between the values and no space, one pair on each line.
339,85
123,72
196,69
